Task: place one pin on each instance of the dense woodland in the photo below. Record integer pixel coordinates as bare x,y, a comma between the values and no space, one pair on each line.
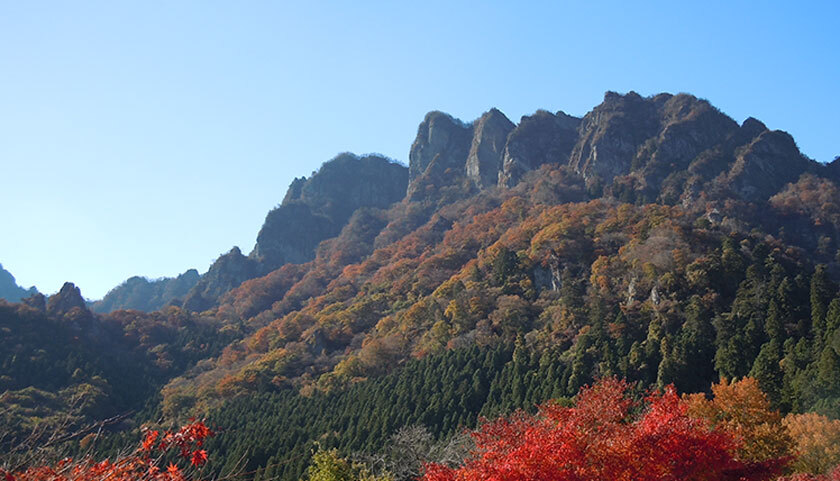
643,295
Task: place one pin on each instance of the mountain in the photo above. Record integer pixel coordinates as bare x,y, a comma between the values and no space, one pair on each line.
66,367
312,210
147,295
632,213
9,289
653,239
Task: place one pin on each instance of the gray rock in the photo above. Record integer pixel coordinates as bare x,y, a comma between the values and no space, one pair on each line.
767,164
227,272
611,134
484,162
317,208
65,300
314,209
538,139
442,144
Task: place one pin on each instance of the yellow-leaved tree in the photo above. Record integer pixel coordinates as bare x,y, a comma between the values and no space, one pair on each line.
742,408
816,441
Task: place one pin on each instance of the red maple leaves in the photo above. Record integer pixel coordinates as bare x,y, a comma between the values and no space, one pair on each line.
599,439
143,465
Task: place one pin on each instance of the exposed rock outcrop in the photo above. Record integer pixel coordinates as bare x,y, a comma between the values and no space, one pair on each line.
439,150
227,272
666,148
670,147
484,162
611,134
317,208
314,209
538,139
766,165
68,298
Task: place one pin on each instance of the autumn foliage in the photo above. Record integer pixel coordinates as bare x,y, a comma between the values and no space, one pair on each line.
599,439
149,462
742,409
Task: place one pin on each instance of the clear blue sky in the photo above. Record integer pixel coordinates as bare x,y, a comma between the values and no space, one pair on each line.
146,138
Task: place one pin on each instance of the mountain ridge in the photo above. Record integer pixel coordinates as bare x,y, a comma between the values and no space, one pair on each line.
654,239
9,289
670,156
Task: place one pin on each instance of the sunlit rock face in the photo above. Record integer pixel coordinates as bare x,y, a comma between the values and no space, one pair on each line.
539,139
484,161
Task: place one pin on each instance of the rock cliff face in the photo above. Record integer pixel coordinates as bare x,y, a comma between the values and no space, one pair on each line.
666,148
313,210
317,208
485,158
650,138
68,298
538,139
227,272
611,134
147,295
765,165
440,149
669,147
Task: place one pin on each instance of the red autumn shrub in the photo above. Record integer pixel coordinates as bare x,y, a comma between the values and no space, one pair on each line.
599,439
145,464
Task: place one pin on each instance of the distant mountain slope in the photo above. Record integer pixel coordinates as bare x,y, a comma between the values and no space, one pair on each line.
654,239
9,289
64,366
147,295
619,225
313,210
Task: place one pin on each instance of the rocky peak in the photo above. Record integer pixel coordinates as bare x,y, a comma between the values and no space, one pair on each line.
484,162
317,208
654,147
765,165
227,272
65,300
348,182
442,140
314,209
688,127
538,139
753,127
611,134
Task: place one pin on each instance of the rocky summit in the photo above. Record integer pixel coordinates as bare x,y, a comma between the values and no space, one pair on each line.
669,149
652,245
662,148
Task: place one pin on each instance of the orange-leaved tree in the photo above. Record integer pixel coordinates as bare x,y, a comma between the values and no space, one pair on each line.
599,438
742,408
146,463
817,440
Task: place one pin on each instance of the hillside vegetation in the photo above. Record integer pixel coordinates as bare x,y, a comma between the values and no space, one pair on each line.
655,240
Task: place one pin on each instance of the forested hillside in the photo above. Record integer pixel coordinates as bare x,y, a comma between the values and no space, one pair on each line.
655,240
